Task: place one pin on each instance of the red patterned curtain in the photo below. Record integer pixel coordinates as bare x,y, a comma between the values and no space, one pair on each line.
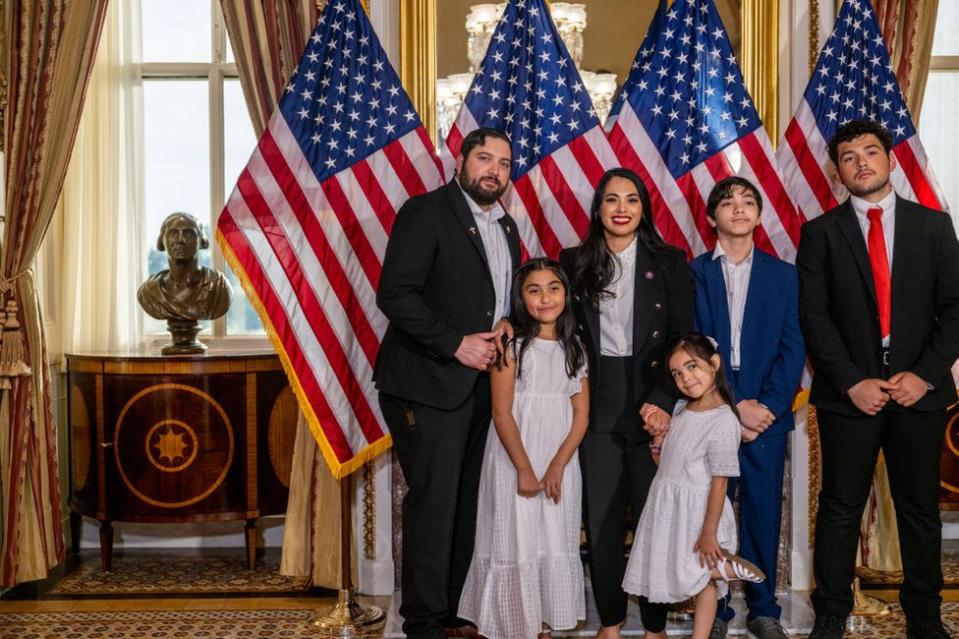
907,26
268,37
48,50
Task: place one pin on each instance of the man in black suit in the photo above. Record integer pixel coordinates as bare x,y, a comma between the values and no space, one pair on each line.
445,289
879,306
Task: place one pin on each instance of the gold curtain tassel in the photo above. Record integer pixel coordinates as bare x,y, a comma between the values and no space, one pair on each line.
12,361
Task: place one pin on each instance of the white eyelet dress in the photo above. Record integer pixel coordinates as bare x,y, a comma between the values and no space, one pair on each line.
662,565
526,567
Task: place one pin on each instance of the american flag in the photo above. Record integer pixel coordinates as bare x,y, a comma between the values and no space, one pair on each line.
528,86
853,79
684,120
306,226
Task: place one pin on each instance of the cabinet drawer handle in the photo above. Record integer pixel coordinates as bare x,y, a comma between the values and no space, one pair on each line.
106,444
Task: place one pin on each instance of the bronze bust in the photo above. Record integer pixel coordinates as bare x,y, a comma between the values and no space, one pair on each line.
186,292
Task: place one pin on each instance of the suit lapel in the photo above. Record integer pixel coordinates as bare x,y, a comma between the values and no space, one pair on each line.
463,213
905,235
852,231
644,292
512,238
753,313
718,304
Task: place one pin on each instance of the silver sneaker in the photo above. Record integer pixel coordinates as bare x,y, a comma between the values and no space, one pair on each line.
720,629
766,628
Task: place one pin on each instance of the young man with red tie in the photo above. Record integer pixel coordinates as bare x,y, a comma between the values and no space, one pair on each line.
879,307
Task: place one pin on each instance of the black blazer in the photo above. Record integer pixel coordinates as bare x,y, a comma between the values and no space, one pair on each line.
839,314
435,288
663,309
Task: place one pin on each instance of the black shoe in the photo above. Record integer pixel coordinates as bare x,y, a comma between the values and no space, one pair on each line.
926,629
828,627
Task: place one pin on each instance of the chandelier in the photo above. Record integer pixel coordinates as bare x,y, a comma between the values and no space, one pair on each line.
570,20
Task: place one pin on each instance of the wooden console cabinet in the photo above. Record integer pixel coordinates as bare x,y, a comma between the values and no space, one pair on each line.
189,438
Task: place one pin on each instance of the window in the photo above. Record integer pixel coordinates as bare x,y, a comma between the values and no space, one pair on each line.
938,126
197,137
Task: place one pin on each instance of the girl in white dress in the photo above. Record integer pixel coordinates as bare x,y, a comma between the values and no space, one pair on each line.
526,576
687,533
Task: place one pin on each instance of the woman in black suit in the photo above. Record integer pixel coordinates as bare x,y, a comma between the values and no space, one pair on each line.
632,294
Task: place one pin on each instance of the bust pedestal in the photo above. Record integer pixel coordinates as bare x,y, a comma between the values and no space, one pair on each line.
190,438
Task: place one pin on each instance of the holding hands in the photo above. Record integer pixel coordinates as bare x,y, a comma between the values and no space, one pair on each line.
754,417
655,419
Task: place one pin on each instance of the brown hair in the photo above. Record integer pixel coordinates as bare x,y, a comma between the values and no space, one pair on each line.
701,347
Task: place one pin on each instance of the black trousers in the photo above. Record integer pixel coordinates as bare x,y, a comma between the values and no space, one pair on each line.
441,454
617,472
911,442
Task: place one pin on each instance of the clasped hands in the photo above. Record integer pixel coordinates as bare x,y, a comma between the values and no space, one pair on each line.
552,482
872,394
479,350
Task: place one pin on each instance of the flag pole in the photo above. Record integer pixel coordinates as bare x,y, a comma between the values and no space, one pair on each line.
347,618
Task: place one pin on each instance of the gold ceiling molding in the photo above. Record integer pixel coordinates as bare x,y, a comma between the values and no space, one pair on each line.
418,58
760,59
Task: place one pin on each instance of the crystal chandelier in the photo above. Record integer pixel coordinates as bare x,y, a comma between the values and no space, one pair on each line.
570,20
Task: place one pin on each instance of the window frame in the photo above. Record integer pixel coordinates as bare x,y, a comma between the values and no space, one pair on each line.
216,73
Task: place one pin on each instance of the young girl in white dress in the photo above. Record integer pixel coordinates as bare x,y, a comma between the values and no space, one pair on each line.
526,576
687,533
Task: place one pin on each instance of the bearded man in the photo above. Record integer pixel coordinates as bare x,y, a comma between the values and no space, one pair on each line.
445,288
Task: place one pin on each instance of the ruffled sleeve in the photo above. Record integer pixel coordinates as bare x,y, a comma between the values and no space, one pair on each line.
722,451
575,384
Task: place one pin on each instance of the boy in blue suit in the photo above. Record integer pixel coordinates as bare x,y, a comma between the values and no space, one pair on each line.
748,301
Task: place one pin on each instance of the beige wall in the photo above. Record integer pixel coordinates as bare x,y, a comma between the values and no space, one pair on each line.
613,33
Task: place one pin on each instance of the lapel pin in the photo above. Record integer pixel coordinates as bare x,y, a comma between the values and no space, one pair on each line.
508,231
473,230
649,275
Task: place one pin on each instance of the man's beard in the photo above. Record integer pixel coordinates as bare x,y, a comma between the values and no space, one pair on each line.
480,195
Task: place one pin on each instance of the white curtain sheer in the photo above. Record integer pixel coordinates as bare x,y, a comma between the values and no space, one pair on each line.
102,200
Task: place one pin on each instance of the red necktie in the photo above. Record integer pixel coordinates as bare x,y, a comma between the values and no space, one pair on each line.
880,268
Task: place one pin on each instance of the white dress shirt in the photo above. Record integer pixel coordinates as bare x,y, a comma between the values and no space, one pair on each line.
493,236
888,206
736,277
616,309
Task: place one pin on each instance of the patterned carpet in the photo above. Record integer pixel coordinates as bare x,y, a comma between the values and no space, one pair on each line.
950,573
157,625
177,574
246,624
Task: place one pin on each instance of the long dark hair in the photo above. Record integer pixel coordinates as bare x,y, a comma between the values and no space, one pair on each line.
700,347
593,268
525,328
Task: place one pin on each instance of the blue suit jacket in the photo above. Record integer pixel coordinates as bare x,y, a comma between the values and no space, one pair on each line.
772,353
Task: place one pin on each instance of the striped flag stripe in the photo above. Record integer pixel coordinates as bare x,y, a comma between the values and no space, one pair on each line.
913,173
378,203
694,202
758,154
545,235
529,241
247,244
327,333
279,149
309,246
817,186
561,194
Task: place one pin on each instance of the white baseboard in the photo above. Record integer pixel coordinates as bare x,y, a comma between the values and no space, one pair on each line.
228,534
